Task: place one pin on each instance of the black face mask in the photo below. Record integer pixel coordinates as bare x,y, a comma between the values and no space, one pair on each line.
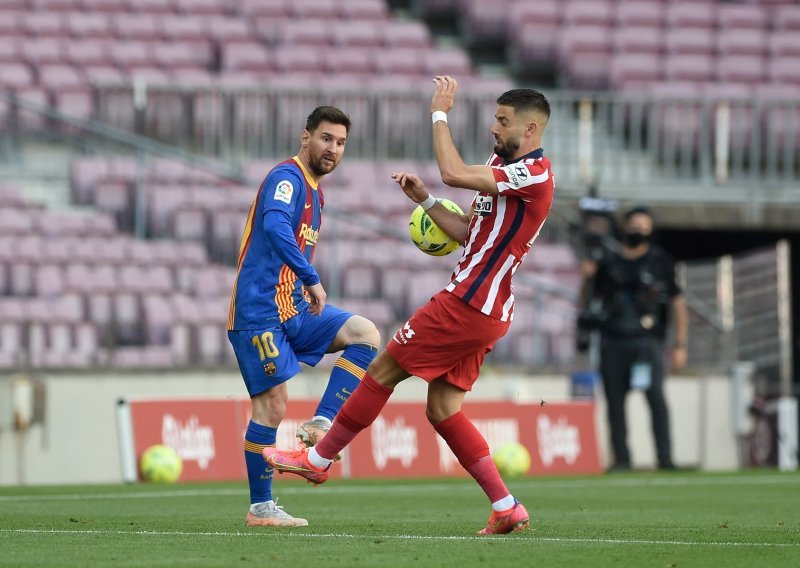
635,238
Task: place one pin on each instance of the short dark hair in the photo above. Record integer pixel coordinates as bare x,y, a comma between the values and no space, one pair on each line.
525,99
327,113
637,210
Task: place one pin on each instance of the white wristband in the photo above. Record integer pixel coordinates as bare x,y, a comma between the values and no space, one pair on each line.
429,202
438,115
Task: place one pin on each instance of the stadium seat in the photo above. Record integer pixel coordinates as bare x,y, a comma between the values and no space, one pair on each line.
589,13
741,69
742,42
691,15
406,34
741,16
364,10
83,25
681,41
315,32
637,40
784,44
640,13
691,67
43,24
786,18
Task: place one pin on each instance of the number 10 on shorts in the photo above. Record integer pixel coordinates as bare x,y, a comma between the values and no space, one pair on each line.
266,345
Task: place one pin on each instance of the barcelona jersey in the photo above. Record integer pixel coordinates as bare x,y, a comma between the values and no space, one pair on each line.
267,291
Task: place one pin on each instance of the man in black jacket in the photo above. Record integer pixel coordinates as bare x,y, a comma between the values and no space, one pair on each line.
635,288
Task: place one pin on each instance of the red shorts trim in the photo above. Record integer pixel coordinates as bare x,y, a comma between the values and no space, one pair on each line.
448,339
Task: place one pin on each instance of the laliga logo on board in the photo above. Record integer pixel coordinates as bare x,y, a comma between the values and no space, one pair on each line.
393,441
557,439
192,441
496,431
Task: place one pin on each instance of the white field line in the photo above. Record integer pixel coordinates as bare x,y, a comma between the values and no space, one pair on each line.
516,484
399,537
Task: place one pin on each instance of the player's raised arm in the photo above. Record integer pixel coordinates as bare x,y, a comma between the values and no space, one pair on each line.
455,172
452,223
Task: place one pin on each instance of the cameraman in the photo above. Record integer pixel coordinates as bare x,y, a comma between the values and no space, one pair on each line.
633,289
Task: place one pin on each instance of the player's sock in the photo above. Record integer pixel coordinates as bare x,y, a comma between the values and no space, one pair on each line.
259,473
346,375
360,411
505,504
472,452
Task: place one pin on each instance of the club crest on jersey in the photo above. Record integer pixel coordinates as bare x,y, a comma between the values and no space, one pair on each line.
284,191
483,205
517,174
270,369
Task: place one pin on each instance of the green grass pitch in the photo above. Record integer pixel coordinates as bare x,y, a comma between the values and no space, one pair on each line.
636,520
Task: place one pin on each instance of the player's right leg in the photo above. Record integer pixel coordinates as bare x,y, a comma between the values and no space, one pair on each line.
266,363
360,410
332,331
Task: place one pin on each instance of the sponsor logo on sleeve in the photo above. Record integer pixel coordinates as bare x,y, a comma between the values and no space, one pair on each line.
483,205
284,191
517,174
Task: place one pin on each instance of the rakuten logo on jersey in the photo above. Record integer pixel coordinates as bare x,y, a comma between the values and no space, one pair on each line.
557,439
404,334
192,441
393,441
496,431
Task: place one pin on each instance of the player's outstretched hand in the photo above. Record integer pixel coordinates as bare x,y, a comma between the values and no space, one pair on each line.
318,296
412,186
444,93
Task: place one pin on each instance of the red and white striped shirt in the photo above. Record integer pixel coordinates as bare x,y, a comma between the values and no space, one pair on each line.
501,232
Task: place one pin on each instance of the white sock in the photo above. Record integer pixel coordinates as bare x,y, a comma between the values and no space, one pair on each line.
256,507
504,504
317,460
324,419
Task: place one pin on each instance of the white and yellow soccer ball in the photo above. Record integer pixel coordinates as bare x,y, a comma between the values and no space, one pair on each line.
427,236
512,459
161,464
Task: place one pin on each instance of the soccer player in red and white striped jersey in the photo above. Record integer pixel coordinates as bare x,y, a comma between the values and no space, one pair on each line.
446,340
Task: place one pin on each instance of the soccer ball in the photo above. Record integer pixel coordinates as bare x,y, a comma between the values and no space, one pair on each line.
512,459
428,237
161,464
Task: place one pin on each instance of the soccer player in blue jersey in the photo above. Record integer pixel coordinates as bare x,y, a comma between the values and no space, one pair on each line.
278,313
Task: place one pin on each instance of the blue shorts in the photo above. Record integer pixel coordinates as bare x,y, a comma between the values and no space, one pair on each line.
270,356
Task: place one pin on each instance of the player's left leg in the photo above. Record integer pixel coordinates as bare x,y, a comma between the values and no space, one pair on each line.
332,331
469,446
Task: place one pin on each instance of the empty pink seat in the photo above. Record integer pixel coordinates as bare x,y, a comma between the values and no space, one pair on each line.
314,31
453,62
785,70
15,75
741,16
190,224
589,12
86,25
128,54
110,6
400,61
640,13
184,27
58,5
225,29
10,24
298,59
637,40
137,27
360,281
689,40
357,34
364,10
217,7
742,42
181,55
630,71
741,69
692,15
304,9
82,53
785,18
484,23
697,68
783,44
55,77
43,24
154,6
405,34
275,9
42,51
249,56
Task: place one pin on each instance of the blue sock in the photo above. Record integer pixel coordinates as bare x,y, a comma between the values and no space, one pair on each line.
259,473
346,375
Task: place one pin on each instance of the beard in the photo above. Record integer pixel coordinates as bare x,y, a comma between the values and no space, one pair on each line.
320,167
507,149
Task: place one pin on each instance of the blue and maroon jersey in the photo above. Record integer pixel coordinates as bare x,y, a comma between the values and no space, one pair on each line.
267,291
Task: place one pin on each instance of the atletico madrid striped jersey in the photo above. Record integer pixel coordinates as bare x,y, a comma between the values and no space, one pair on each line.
501,232
267,291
